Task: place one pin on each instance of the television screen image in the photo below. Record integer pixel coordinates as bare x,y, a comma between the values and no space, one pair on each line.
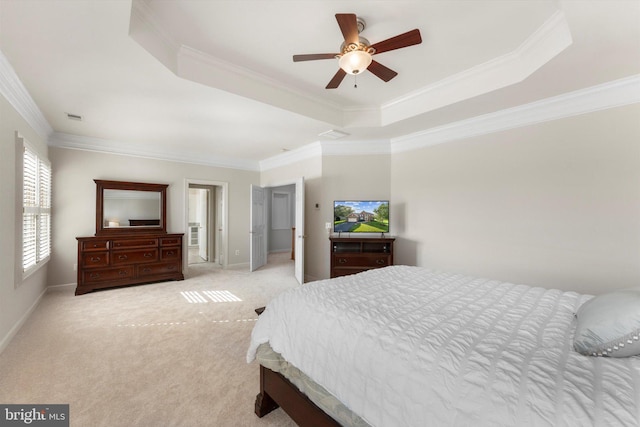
361,216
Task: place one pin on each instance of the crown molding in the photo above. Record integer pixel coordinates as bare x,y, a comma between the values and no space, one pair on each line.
18,96
327,148
551,38
77,142
612,94
309,151
355,148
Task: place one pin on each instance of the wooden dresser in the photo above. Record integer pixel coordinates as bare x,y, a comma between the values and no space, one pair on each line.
350,255
127,259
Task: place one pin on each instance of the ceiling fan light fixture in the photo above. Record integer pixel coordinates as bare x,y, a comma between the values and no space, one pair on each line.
355,61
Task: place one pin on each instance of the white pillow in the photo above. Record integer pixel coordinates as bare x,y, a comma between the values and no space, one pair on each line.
609,325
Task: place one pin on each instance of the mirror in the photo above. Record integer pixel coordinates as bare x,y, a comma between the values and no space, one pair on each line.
130,207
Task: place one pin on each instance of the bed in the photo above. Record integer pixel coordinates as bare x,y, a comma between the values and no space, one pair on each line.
407,346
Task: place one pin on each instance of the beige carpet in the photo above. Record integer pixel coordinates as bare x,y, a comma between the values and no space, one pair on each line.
149,355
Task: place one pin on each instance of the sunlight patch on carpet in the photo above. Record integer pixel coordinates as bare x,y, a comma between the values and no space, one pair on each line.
196,297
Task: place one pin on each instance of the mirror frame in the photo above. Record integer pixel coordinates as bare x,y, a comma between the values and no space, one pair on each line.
102,185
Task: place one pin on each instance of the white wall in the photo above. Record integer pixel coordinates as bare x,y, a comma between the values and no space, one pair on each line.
555,204
17,297
74,199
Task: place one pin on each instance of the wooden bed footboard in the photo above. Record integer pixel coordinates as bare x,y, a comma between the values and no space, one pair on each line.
276,390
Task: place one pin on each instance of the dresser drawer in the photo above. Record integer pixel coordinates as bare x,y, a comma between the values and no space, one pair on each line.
94,245
94,259
158,269
168,254
134,256
107,274
170,241
134,243
361,260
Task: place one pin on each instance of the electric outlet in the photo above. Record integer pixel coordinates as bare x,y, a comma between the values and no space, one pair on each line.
237,251
327,226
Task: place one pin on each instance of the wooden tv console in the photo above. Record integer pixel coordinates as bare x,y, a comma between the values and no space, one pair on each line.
350,255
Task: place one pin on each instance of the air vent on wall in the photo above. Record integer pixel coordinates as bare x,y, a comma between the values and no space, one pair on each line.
74,117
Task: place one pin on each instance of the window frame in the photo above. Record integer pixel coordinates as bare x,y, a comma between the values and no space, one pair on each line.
38,206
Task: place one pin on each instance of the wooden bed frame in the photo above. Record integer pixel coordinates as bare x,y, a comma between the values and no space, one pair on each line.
276,391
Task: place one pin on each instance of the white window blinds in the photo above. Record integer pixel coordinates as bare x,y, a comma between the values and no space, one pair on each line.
36,210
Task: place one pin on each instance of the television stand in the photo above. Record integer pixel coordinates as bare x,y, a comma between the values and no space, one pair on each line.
353,255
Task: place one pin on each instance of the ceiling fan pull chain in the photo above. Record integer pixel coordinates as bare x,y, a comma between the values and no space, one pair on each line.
355,81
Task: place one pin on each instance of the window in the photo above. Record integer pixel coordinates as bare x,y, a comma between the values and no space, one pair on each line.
36,210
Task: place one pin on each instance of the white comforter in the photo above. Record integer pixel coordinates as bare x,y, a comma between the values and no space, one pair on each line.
404,346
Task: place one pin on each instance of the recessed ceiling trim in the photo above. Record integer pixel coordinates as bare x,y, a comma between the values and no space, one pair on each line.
189,63
333,134
539,48
551,38
149,33
206,69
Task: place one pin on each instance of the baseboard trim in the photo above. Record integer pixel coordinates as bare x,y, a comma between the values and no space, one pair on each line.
6,340
64,285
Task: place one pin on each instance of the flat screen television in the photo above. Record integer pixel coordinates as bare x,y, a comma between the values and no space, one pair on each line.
361,216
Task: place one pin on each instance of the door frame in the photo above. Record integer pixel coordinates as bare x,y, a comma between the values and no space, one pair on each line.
224,230
299,215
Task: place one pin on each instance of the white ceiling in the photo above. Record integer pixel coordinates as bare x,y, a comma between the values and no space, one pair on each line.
215,80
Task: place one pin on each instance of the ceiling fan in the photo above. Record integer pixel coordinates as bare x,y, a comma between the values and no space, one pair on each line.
356,52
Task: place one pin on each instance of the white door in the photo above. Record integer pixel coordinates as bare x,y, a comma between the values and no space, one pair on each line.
299,241
203,231
258,241
218,226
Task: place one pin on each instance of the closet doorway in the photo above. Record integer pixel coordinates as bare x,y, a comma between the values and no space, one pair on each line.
277,224
205,223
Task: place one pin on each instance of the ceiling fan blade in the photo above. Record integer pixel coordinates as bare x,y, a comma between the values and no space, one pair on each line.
313,56
381,71
337,79
348,24
409,38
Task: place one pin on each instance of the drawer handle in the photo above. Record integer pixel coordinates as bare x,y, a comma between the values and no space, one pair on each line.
94,275
146,269
342,260
122,273
148,255
118,244
95,259
152,242
122,257
380,262
95,245
171,267
170,253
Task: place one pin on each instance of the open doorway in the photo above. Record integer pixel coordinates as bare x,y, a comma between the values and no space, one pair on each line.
277,225
205,223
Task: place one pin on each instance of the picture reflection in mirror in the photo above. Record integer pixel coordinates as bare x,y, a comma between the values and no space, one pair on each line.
130,208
